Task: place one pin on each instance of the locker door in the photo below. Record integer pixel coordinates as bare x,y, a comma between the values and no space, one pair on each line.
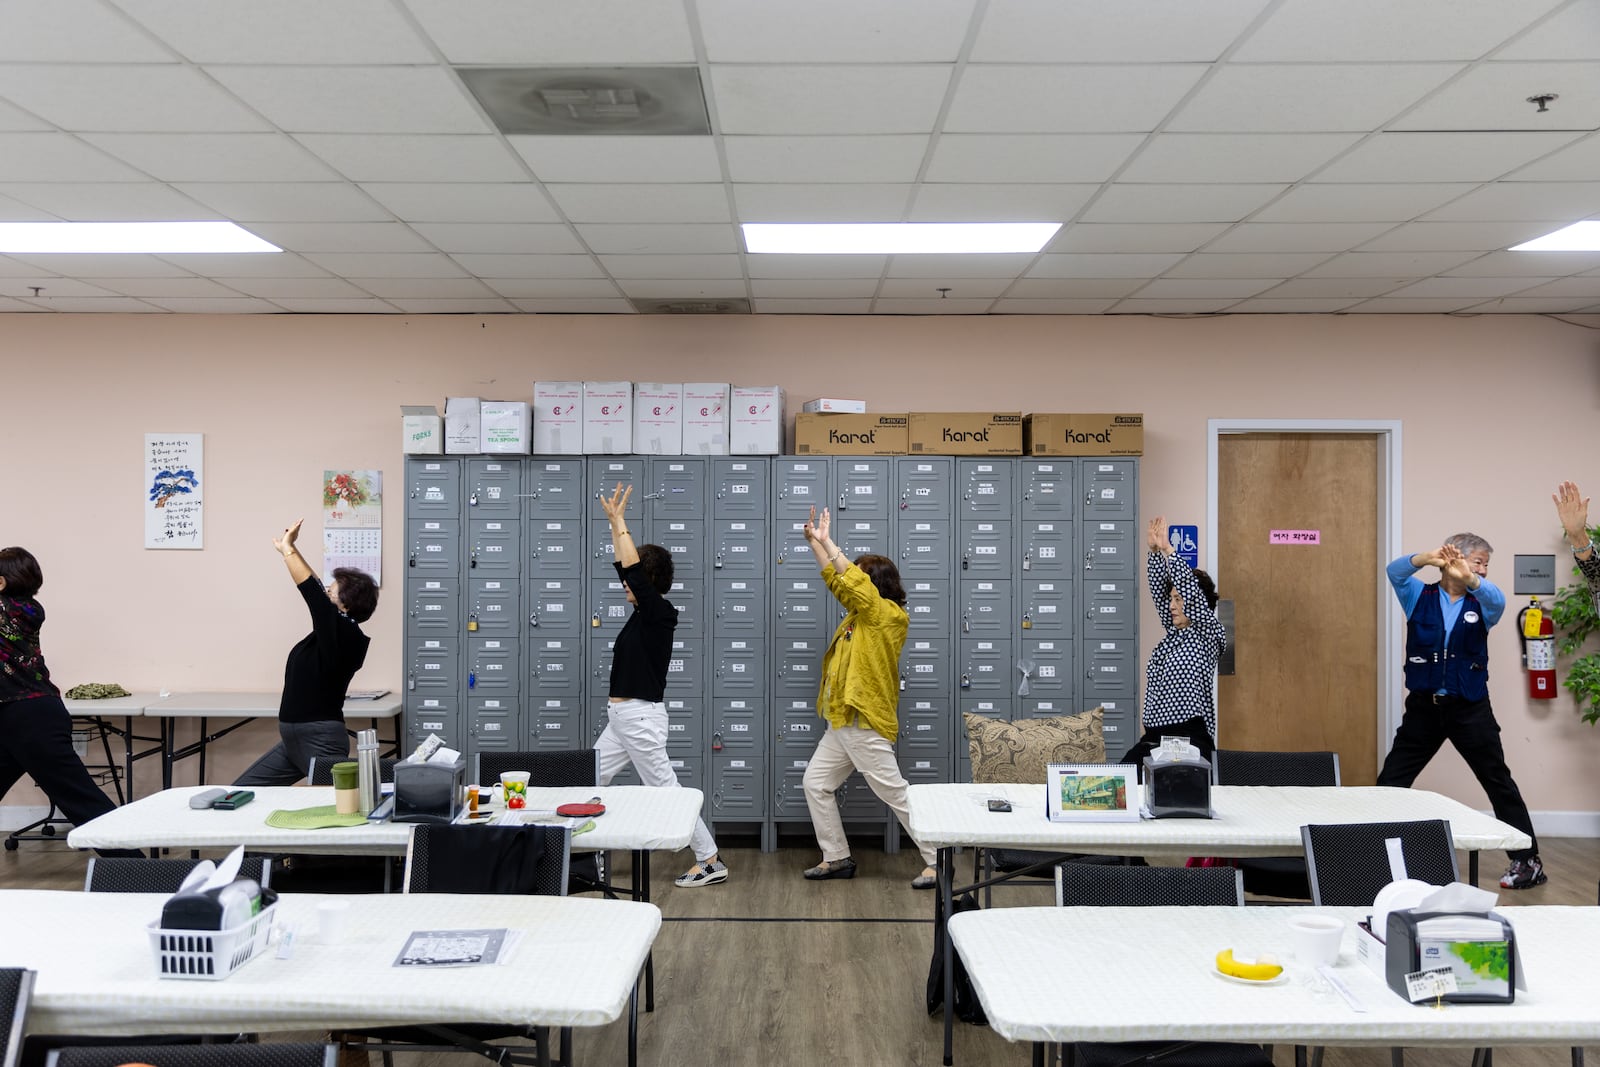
1108,550
804,608
1046,547
986,550
434,489
737,609
987,670
604,476
987,488
496,548
554,722
689,597
1111,606
602,553
493,488
608,608
677,489
492,665
861,488
555,547
686,668
925,488
924,547
433,715
555,607
685,540
685,727
433,607
1110,489
1047,489
738,548
740,488
556,669
928,605
986,610
799,728
797,486
925,726
493,722
737,787
738,725
1051,671
799,666
1109,670
431,669
739,668
1047,610
859,536
925,667
435,547
493,607
555,489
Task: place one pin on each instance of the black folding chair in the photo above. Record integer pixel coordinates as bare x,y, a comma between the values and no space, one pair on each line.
116,875
16,989
274,1054
1275,876
591,871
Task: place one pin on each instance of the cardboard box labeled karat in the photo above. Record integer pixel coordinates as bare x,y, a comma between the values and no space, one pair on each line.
705,418
421,430
966,433
657,419
755,421
463,433
506,428
558,418
850,435
1050,434
608,418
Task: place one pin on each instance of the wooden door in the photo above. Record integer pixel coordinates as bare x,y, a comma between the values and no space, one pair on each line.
1305,616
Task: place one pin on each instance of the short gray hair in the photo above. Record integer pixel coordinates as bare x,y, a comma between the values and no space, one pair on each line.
1469,543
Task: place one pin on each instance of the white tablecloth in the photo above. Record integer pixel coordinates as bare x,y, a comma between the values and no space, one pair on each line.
575,965
1148,974
1250,820
637,818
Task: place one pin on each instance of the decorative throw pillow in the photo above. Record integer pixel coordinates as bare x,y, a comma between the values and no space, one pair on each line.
1019,751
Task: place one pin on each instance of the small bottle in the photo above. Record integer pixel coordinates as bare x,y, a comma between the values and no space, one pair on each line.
347,787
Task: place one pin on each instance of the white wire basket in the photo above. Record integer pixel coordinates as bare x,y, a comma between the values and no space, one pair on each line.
210,955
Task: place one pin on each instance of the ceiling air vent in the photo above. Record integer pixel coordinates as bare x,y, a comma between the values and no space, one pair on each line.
598,100
732,305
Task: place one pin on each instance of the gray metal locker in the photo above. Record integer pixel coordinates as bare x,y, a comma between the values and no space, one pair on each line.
433,489
924,728
494,548
858,536
685,540
738,548
738,725
493,722
608,607
686,668
925,667
984,609
862,489
986,550
925,488
1046,607
554,722
677,488
1120,724
924,548
602,553
987,670
434,715
1052,670
1110,670
494,607
1110,489
1109,549
598,668
797,486
858,803
555,607
1047,489
788,793
736,789
555,489
604,475
1046,546
804,608
685,727
689,597
987,488
555,547
1110,606
494,488
739,667
433,608
431,666
555,669
433,548
493,665
928,605
797,663
798,726
740,488
738,608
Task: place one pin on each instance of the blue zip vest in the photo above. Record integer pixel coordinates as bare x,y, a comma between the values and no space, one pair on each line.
1461,666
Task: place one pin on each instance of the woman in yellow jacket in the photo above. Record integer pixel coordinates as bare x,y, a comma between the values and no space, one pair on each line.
859,695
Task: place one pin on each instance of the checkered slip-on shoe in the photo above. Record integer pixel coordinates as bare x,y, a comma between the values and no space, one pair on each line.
708,873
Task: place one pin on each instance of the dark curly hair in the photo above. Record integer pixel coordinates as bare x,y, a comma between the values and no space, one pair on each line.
21,572
657,564
357,592
1208,588
885,575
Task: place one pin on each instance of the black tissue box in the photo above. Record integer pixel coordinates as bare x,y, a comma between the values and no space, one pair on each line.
1177,789
1485,969
428,792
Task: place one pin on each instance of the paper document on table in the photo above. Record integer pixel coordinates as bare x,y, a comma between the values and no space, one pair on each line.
451,948
365,694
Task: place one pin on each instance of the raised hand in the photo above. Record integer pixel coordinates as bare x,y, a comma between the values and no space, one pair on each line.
1573,509
616,503
285,543
1156,536
824,526
810,528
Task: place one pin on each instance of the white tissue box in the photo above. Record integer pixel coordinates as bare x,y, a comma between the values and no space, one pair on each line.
1369,950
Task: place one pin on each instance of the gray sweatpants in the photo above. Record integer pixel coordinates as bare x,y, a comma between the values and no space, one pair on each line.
289,760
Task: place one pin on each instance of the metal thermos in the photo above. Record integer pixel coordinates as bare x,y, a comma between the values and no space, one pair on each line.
367,766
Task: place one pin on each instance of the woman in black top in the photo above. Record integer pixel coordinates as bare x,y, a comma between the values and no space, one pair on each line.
318,671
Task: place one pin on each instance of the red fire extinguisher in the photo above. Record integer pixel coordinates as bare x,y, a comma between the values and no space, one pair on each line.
1538,650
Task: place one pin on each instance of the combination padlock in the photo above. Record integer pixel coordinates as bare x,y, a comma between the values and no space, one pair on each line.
472,624
1027,621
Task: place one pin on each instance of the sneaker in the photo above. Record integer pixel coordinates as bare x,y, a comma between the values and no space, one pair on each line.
709,873
1523,874
845,868
926,880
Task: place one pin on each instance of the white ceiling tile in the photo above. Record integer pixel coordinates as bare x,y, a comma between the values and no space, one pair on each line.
959,288
301,99
58,157
210,157
16,211
9,305
994,265
575,306
1392,202
641,239
14,119
1205,288
1106,265
886,158
15,268
1554,202
352,306
1494,96
106,266
779,306
1577,162
1063,99
530,288
1010,306
1585,286
1126,202
1435,306
1291,98
823,288
821,203
479,306
74,31
386,264
464,201
903,98
773,265
705,202
1454,236
930,307
239,305
1440,157
834,31
1571,33
1171,306
489,238
682,288
633,266
340,236
426,288
1246,264
1153,31
110,201
1380,30
283,31
1300,306
620,159
527,266
1525,305
149,288
549,32
99,305
1134,237
274,265
286,201
1400,265
1527,264
279,289
58,288
1073,288
995,202
1345,289
125,97
1296,236
1457,287
1234,157
416,157
1030,157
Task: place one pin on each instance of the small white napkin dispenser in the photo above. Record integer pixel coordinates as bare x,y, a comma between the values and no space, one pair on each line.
428,792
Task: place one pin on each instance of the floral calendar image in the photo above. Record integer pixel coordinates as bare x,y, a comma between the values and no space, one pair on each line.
352,522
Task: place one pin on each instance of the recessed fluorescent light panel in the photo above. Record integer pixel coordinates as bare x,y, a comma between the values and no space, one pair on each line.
1579,237
116,237
897,238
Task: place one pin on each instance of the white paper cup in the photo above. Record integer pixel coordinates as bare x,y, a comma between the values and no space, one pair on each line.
333,921
1315,939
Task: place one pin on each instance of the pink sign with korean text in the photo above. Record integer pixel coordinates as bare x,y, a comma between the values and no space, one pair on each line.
1294,537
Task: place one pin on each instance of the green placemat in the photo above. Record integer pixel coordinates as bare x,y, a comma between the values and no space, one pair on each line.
313,818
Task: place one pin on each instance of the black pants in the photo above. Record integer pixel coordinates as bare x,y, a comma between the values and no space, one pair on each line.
1194,729
36,740
1471,727
289,760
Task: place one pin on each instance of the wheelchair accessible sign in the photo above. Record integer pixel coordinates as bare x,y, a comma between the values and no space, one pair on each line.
1185,540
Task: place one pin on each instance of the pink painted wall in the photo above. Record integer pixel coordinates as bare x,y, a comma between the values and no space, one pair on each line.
1496,410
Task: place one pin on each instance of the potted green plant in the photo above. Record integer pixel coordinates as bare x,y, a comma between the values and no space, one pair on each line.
1576,621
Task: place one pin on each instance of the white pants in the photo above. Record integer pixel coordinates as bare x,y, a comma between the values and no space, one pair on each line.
853,748
637,732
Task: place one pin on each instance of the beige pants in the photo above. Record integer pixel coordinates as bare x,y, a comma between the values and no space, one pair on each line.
853,748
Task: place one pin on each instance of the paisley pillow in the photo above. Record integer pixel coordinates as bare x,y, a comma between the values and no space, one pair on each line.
1018,751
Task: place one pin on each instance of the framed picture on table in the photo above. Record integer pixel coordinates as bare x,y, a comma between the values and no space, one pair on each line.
1091,792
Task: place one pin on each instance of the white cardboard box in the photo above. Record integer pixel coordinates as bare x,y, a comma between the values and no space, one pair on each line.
705,418
834,406
657,419
607,418
463,434
558,418
507,427
755,425
421,430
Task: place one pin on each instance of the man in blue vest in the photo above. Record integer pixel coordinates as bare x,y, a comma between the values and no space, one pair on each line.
1447,678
